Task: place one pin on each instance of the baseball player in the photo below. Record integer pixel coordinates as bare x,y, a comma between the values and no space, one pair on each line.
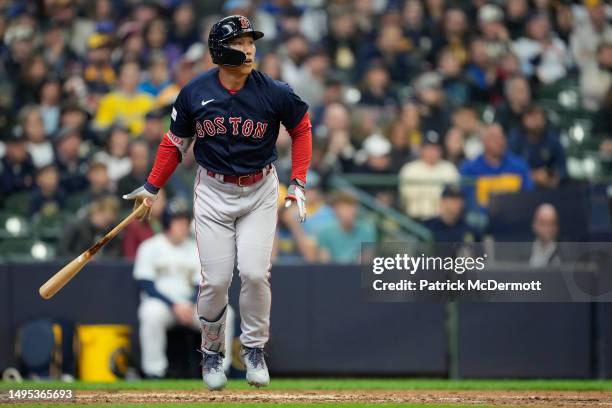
167,286
233,114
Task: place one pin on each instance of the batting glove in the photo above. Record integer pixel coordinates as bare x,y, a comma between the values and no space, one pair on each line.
139,195
295,193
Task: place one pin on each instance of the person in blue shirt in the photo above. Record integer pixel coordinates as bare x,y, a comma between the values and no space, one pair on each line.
341,241
538,143
495,171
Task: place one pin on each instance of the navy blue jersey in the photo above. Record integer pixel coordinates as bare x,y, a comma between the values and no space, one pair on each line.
235,133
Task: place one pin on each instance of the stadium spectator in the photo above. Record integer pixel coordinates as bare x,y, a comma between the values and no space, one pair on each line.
466,120
155,36
39,146
47,197
332,93
19,39
335,130
312,78
416,29
401,150
125,105
342,43
592,27
452,37
50,99
538,144
391,49
409,126
434,114
99,73
16,168
139,166
375,158
157,76
375,91
450,225
154,130
422,180
517,99
57,54
70,161
454,145
481,72
74,116
341,240
542,54
183,31
29,81
115,155
99,182
295,54
270,64
545,226
496,170
493,30
596,79
130,35
453,81
516,12
101,216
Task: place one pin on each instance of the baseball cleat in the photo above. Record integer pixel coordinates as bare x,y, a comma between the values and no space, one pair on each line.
212,371
257,371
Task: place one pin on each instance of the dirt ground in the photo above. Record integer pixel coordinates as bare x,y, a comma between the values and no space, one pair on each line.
556,399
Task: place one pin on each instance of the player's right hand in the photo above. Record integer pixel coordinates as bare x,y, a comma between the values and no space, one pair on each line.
139,195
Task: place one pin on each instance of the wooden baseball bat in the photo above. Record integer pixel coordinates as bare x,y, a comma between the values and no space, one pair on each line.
64,275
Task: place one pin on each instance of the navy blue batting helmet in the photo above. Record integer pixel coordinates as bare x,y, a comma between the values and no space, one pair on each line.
174,209
223,31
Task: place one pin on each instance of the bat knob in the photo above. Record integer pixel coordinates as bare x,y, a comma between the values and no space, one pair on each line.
148,202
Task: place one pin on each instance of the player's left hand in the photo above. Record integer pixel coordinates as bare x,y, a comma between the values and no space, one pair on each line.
295,194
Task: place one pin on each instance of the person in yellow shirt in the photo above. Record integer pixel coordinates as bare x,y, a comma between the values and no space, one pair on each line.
125,105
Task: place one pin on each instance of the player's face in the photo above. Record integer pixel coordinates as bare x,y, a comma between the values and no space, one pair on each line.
246,44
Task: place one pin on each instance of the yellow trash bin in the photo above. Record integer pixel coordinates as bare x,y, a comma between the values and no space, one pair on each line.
104,352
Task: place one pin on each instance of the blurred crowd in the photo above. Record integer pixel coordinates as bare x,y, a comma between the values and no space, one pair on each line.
438,93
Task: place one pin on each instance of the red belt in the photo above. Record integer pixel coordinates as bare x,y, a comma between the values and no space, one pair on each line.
244,180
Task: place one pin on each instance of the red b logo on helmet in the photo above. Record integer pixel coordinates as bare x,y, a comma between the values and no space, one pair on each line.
244,22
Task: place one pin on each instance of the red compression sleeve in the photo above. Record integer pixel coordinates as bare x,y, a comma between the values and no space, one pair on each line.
301,148
166,160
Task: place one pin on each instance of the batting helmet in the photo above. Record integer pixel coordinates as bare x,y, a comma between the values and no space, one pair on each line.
224,30
174,209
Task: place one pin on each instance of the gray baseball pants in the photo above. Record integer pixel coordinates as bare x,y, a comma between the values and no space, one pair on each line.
232,224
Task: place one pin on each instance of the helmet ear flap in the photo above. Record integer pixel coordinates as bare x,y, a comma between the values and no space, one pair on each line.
232,57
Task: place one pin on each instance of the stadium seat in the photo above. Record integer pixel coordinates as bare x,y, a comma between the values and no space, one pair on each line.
49,227
18,203
76,201
13,226
23,249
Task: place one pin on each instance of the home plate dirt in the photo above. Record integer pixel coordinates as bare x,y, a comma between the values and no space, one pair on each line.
556,399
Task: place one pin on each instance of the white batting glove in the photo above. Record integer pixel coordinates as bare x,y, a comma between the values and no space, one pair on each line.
139,195
295,193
